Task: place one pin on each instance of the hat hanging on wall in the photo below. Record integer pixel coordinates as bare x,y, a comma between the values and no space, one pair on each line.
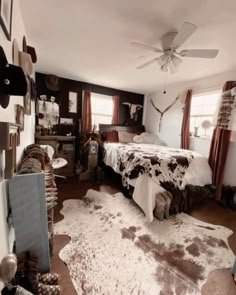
30,50
15,53
27,97
52,82
33,89
22,59
26,63
12,80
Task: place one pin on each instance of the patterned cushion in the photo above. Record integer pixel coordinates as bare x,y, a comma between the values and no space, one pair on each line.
111,136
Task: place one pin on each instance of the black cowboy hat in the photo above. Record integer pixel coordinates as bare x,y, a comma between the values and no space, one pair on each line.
53,82
12,80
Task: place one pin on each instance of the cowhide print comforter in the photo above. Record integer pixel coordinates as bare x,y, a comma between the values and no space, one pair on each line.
162,164
147,167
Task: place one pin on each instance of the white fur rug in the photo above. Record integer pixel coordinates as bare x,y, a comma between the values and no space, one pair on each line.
114,251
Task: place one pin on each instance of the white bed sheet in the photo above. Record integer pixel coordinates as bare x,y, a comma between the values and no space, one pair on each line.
145,187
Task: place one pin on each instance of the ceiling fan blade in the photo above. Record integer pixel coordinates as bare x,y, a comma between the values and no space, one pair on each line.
185,32
201,53
144,46
147,64
162,59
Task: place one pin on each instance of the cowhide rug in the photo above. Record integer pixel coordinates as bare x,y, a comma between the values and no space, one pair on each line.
114,251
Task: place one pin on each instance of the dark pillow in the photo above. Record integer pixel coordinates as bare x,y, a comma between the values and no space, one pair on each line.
111,136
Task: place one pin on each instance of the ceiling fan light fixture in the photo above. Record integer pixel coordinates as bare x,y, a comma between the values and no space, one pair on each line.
172,68
176,61
164,68
163,59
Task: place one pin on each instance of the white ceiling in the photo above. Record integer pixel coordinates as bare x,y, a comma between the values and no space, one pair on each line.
89,40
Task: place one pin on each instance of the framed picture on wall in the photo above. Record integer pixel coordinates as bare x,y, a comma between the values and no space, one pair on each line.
73,102
19,112
66,121
6,17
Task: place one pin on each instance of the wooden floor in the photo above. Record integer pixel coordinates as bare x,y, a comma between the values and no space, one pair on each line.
219,282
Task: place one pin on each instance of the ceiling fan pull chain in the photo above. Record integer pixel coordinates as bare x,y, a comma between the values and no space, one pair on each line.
165,84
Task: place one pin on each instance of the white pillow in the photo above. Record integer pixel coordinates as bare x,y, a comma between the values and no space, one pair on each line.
148,138
138,139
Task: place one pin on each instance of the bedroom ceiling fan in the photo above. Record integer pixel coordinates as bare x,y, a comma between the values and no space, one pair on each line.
170,59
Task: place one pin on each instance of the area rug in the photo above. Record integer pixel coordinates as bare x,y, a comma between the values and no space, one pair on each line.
113,250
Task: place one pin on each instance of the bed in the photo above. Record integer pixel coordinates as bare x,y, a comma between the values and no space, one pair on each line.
161,177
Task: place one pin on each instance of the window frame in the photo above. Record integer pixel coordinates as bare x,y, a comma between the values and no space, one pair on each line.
204,93
101,114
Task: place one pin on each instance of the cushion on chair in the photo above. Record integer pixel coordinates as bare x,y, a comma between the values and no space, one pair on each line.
59,163
48,149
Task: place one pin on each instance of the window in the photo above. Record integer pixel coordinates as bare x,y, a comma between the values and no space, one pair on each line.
102,109
203,108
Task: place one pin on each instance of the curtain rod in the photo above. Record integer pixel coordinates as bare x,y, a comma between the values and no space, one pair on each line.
210,89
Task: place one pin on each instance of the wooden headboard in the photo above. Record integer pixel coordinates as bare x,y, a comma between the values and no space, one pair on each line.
110,127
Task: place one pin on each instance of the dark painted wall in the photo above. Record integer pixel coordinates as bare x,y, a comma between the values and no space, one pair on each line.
67,85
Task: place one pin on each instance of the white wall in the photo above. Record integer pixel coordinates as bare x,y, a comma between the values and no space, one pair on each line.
172,119
8,115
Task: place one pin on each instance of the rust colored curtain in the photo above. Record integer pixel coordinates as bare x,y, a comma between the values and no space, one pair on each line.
219,150
185,139
86,113
115,114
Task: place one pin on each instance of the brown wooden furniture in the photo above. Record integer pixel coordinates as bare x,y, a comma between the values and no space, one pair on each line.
110,127
64,147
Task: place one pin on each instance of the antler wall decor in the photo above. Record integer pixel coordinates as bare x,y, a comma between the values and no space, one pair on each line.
163,112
